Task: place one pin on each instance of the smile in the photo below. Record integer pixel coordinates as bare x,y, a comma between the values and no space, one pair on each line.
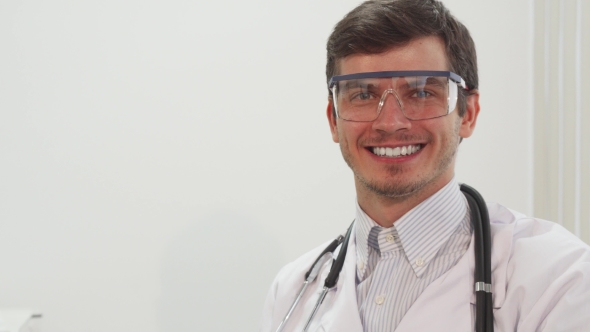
396,152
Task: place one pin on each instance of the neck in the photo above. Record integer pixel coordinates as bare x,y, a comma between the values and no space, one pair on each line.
385,210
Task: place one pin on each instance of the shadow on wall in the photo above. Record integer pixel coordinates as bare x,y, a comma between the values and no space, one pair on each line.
215,276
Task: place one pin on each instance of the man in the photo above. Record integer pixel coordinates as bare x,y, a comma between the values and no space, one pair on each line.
403,94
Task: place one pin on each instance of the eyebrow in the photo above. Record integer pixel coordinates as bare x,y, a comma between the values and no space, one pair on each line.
430,81
360,83
434,81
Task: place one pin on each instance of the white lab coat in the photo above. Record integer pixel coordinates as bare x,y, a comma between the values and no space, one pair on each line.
540,282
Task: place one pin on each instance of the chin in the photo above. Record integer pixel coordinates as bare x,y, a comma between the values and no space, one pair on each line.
393,189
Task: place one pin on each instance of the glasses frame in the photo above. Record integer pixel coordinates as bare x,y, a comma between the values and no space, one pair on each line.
387,74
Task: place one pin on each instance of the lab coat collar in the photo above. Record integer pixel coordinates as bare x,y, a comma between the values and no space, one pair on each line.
362,227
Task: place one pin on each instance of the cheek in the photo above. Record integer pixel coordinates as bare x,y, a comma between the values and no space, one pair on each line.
355,129
343,138
451,128
350,136
452,138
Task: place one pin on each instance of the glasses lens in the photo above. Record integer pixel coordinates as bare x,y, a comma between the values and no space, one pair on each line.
419,97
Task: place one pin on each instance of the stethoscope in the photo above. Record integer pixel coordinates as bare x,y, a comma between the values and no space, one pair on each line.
484,317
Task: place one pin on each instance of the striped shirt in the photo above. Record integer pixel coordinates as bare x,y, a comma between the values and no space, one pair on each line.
394,265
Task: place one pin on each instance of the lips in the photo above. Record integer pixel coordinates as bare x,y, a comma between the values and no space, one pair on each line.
395,152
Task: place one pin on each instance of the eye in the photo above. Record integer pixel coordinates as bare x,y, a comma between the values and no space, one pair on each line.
422,94
362,96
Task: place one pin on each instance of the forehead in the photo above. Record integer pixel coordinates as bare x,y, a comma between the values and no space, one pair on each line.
425,53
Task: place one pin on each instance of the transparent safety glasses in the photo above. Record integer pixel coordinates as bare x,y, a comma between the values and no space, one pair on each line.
419,94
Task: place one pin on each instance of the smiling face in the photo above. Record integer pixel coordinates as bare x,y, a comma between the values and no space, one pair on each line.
393,156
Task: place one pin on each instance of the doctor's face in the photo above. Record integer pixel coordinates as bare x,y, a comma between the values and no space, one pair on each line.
430,145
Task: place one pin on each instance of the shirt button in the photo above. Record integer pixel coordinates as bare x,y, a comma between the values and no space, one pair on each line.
361,265
419,261
380,299
389,238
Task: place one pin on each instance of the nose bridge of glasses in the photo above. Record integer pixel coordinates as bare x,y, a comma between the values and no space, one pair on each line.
384,98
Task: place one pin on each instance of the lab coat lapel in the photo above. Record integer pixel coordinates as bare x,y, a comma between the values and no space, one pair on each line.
343,314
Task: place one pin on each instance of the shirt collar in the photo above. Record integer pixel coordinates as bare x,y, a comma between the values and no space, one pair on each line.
422,230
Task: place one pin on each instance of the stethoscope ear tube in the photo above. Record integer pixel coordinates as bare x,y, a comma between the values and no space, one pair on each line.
483,259
339,263
330,248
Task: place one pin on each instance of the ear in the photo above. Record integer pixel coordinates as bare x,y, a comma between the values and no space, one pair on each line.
470,117
332,120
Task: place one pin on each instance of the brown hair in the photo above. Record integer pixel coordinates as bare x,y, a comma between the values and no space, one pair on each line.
377,25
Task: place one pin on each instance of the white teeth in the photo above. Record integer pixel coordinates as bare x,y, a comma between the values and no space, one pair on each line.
389,152
396,152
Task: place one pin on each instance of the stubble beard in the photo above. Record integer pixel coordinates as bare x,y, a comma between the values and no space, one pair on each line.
389,188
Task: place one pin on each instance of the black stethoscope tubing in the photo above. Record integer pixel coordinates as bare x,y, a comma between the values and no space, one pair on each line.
484,317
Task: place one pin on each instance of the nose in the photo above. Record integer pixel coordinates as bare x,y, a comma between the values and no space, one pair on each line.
391,117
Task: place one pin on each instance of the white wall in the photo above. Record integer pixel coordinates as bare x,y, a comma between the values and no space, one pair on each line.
162,159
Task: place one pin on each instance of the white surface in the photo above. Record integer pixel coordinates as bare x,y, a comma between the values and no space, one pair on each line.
161,160
18,320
